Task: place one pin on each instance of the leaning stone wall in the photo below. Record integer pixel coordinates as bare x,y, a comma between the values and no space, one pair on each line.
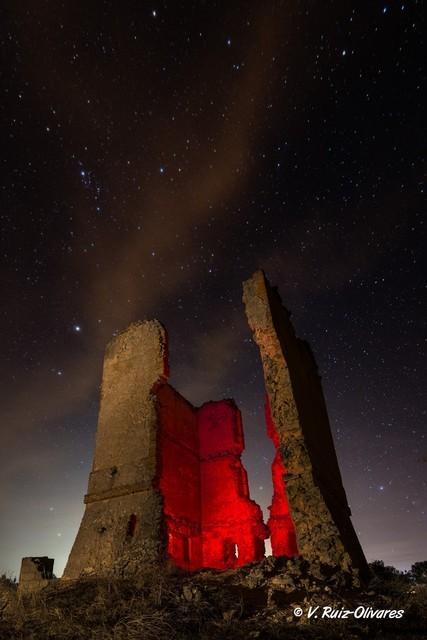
314,488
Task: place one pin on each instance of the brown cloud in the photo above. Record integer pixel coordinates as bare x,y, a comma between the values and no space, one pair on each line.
129,277
170,210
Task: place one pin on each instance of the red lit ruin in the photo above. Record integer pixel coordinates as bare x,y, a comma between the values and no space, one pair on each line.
210,519
167,481
280,525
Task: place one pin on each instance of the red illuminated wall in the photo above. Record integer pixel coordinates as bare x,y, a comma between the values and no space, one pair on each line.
210,519
281,527
179,477
233,531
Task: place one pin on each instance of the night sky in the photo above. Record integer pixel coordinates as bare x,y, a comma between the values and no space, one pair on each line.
153,156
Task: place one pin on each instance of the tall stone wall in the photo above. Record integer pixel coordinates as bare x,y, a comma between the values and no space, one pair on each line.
121,529
316,497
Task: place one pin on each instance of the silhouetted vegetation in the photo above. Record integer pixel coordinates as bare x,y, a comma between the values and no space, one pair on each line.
419,572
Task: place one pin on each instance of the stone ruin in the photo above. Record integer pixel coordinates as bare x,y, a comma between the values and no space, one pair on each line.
36,572
167,484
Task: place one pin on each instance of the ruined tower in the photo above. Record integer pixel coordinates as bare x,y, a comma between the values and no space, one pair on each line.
167,480
122,523
168,484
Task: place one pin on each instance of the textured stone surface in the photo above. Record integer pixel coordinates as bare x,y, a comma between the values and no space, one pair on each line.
36,573
316,497
121,528
280,524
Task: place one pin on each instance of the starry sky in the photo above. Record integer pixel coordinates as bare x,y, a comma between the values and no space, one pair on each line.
154,154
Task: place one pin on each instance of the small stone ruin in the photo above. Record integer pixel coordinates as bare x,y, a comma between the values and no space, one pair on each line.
36,573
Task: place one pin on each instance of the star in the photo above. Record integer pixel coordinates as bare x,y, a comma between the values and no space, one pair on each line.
285,184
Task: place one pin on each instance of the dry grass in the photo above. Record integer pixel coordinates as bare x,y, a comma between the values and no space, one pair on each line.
177,608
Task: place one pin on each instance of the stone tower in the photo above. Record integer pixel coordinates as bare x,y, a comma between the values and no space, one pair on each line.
122,523
167,480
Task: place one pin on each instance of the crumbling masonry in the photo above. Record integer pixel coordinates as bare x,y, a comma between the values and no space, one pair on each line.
306,466
168,484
